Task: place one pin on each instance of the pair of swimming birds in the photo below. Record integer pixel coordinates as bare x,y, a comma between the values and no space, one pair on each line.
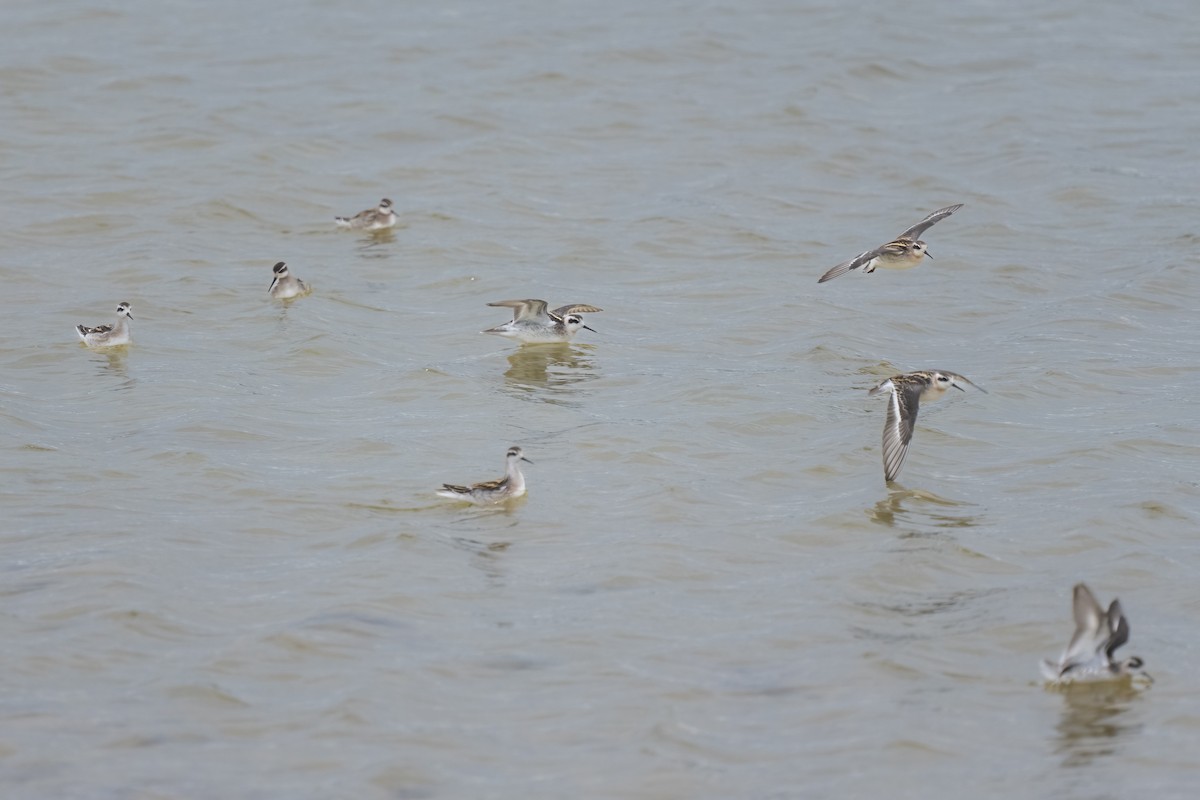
284,286
532,321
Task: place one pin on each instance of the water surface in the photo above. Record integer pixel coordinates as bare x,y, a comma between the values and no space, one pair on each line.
226,573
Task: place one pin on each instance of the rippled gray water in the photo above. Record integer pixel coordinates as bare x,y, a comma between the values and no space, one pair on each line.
225,573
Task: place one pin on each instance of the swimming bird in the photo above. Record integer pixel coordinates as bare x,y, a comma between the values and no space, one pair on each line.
373,219
108,335
531,321
903,252
907,392
285,285
510,487
1098,634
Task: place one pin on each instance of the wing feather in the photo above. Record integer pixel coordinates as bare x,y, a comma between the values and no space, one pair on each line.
572,308
893,444
524,309
1119,626
1089,617
937,216
99,329
898,426
854,263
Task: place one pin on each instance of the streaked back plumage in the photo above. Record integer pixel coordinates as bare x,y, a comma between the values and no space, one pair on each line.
114,335
509,487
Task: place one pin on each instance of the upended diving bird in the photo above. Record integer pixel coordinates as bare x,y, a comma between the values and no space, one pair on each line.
903,252
906,393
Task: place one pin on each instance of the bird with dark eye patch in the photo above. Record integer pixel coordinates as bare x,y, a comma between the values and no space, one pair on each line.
285,285
1098,634
532,323
903,252
115,335
373,219
905,395
510,487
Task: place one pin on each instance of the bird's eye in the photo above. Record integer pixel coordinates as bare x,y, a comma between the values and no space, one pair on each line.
943,378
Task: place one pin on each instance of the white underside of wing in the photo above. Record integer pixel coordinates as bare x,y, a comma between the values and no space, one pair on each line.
895,448
854,263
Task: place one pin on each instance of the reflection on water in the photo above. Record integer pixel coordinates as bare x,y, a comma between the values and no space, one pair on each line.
373,243
112,361
1094,720
892,619
549,372
284,303
485,556
911,506
932,603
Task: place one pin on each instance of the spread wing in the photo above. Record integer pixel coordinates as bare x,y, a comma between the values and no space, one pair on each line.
574,308
525,309
1119,626
1089,619
854,263
937,216
902,409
